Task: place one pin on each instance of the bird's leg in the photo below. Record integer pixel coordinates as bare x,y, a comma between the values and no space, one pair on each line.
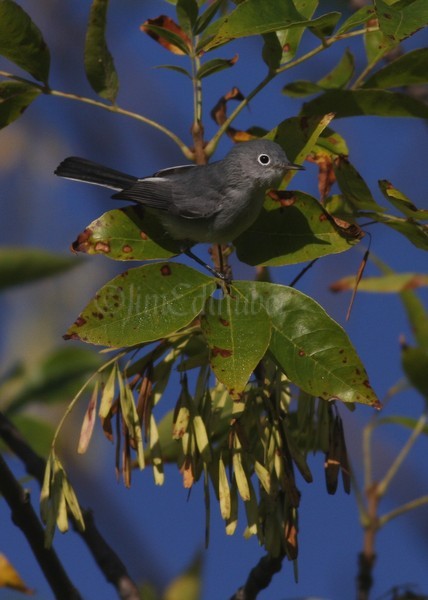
190,254
219,254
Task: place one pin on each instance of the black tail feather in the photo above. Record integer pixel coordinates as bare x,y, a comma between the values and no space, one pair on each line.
82,169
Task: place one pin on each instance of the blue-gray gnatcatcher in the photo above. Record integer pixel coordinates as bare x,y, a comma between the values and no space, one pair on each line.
209,203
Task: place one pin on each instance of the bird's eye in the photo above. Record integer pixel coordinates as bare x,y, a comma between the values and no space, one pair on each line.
263,159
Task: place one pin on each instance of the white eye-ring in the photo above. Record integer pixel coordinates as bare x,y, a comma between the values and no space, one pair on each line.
263,159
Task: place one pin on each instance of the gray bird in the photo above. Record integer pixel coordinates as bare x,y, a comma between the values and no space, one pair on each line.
211,203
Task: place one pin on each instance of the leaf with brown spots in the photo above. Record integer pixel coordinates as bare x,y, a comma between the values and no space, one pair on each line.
168,34
238,335
143,304
308,345
126,234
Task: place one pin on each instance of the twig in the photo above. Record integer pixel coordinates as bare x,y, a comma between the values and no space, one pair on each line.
109,107
259,578
392,471
401,510
108,561
24,517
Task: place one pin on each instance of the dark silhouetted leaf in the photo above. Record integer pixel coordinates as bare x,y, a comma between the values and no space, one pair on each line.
207,16
409,69
99,65
292,234
14,99
415,366
19,265
22,42
187,14
382,103
215,65
353,186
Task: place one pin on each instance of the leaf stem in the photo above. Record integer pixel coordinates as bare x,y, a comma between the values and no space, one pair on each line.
392,471
212,144
114,108
401,510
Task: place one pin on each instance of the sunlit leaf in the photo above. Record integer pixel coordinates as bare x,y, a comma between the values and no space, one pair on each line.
15,97
353,186
88,422
99,64
289,39
10,578
309,346
127,234
143,304
237,338
401,202
22,42
400,20
416,233
384,284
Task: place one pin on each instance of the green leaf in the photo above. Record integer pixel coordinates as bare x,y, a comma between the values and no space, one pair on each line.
292,234
416,233
376,45
99,64
143,304
384,284
409,69
237,337
417,315
54,378
127,234
301,88
21,265
22,42
37,433
336,79
215,65
251,18
289,39
399,21
324,25
415,365
181,70
382,103
298,136
15,97
340,75
187,14
353,186
401,202
207,16
309,346
359,17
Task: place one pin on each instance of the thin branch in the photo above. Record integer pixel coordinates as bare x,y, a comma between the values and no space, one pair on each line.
114,108
110,564
392,471
212,144
259,578
401,510
24,517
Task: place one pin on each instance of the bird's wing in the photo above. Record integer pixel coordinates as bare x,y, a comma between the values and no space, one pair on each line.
173,170
169,194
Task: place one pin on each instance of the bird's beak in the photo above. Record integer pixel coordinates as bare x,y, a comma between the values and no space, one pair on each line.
294,167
